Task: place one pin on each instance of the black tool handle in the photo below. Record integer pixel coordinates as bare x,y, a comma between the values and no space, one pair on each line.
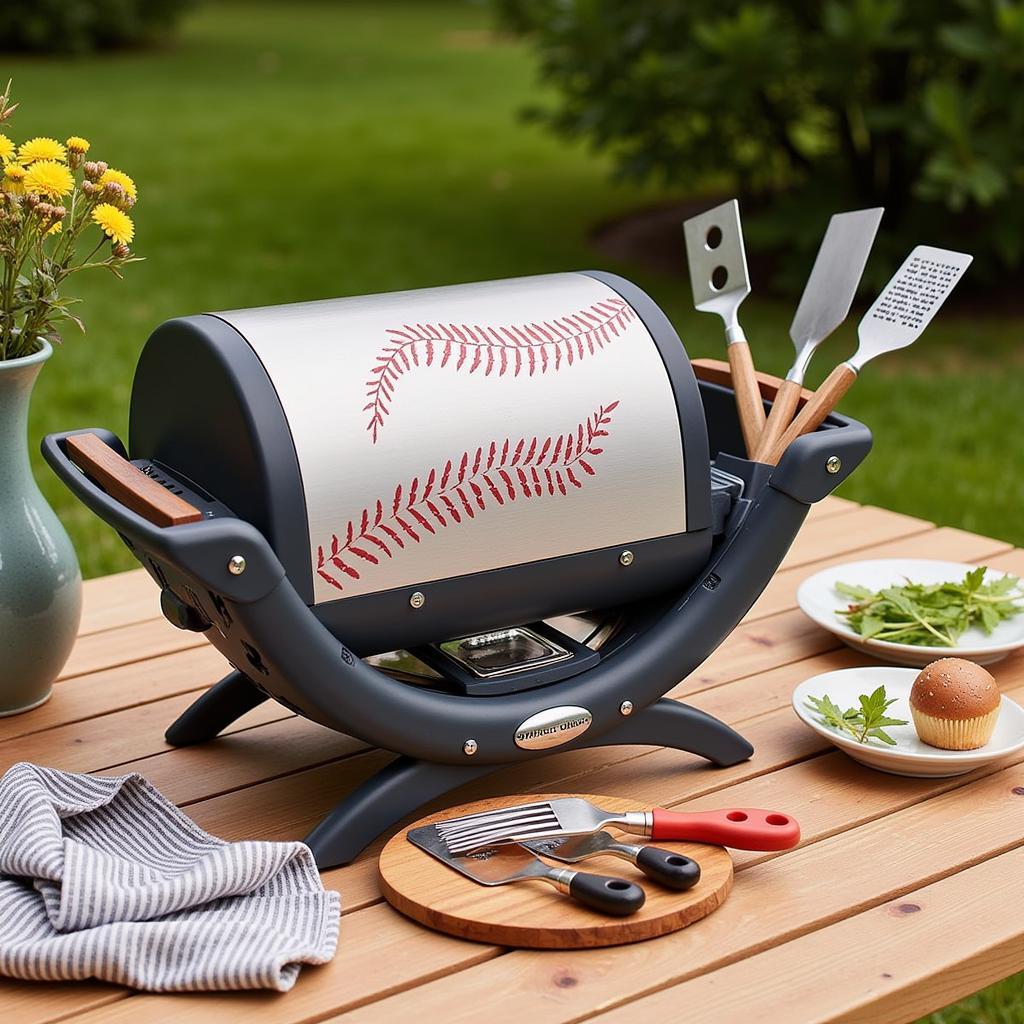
613,896
670,869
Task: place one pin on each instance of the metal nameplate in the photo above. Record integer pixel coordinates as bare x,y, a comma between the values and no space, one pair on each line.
553,727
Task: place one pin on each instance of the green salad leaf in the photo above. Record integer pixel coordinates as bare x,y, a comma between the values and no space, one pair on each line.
931,614
865,722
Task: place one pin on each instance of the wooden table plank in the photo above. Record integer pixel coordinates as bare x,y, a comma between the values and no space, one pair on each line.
794,893
895,962
118,600
857,795
258,787
862,528
772,902
126,686
831,506
128,645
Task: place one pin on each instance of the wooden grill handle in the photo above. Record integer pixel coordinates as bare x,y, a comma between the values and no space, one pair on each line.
748,398
127,483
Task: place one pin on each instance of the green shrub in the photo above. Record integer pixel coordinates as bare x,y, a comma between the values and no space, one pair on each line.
822,106
76,26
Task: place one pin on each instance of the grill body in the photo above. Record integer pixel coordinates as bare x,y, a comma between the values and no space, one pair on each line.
263,422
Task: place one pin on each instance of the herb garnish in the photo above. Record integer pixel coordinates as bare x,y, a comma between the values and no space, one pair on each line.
931,615
863,723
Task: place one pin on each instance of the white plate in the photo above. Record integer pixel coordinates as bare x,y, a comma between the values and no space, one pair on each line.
910,756
819,600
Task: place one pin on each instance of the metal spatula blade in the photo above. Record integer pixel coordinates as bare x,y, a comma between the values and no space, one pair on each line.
718,276
718,261
501,865
833,282
896,319
908,302
826,301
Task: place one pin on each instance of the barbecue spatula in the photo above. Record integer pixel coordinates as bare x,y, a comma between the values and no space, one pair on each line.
743,828
718,276
895,320
823,306
504,864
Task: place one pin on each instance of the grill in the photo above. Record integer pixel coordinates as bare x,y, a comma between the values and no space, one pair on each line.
471,525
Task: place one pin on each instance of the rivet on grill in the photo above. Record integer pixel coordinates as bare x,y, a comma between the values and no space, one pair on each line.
470,747
417,600
834,464
236,565
626,558
626,707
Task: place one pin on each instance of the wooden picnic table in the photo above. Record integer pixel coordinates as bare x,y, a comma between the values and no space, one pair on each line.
905,894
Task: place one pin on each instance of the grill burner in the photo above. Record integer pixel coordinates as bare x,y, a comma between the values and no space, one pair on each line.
509,650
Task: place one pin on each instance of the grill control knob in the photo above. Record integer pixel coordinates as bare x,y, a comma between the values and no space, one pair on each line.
180,614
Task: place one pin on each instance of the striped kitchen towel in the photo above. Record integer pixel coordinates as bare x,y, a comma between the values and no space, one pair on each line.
105,878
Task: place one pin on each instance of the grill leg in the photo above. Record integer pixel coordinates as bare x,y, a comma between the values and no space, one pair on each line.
222,704
406,784
668,723
385,798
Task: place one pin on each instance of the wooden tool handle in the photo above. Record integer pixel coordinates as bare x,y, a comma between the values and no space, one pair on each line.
748,398
782,412
813,414
120,479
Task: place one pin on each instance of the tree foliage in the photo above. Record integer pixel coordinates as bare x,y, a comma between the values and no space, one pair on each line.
78,26
915,106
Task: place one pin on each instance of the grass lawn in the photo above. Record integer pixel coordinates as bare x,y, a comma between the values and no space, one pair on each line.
297,151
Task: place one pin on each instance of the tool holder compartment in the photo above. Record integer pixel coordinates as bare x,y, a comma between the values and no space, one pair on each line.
279,648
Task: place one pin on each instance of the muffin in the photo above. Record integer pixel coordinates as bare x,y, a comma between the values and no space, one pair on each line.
955,704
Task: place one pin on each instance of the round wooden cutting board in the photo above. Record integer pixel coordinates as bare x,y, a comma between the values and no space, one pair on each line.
532,913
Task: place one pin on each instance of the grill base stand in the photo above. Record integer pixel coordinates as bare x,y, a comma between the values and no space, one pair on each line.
223,703
407,783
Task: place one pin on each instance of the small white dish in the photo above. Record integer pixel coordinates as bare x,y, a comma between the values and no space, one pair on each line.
819,600
911,756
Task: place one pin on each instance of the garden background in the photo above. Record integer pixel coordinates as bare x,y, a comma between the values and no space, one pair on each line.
297,151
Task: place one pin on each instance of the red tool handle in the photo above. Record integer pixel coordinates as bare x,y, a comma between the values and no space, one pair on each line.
742,828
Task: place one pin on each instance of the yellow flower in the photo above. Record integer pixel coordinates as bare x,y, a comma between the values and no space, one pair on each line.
122,179
41,149
78,145
6,149
14,179
49,178
54,228
115,223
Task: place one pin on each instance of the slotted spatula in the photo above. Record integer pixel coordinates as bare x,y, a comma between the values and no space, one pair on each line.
895,320
503,865
743,828
826,301
718,276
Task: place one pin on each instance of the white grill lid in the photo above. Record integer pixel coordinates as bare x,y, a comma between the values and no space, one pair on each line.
453,430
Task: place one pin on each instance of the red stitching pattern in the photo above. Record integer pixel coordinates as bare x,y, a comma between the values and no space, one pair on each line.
534,347
501,471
